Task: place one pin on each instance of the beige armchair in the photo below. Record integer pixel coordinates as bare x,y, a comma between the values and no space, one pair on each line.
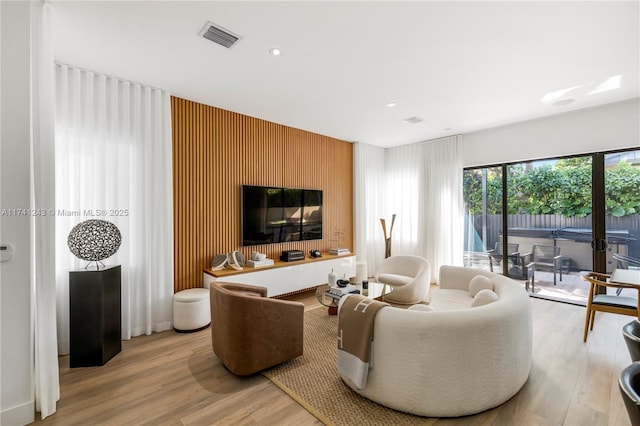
409,276
250,332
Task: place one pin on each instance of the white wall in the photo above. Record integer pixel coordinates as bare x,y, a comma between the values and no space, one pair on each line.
16,347
608,127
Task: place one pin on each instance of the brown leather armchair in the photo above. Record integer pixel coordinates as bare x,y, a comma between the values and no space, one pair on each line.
250,332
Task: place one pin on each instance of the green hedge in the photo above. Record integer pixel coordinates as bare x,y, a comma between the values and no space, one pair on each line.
562,189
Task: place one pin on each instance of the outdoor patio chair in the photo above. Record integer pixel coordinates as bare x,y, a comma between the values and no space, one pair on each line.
545,257
625,262
477,259
598,301
631,334
629,383
496,254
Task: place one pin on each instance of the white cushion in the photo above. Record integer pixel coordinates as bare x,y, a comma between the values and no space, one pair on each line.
484,297
425,308
394,279
479,282
450,300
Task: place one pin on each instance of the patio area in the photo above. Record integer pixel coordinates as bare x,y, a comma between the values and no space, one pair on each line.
572,288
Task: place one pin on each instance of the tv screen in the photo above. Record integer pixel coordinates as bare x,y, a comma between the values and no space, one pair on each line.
277,215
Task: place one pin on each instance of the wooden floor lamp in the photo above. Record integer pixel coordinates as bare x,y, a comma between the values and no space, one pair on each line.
387,241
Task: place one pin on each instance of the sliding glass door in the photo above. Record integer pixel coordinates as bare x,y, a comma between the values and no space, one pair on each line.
550,221
554,218
622,210
483,217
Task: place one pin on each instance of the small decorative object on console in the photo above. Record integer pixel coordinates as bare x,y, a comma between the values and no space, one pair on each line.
257,256
219,262
291,255
260,263
236,260
339,251
342,283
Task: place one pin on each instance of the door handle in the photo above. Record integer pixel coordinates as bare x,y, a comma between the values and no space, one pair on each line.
599,244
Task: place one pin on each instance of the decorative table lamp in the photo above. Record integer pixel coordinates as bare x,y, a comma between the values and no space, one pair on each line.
94,240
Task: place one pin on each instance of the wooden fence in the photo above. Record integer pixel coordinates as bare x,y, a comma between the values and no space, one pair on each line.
627,228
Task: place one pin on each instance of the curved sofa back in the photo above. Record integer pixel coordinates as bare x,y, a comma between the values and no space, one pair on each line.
453,363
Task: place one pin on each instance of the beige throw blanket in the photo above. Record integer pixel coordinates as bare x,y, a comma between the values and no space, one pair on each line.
355,334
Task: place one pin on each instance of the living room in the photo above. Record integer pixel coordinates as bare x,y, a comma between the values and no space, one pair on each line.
217,143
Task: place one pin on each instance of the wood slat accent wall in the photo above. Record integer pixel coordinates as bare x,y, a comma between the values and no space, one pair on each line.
216,151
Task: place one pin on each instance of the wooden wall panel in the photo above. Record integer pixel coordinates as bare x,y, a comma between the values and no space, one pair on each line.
216,151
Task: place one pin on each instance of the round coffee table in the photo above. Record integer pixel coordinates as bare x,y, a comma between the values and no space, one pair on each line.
375,291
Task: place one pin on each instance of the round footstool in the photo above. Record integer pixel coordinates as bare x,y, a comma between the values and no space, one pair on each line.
191,310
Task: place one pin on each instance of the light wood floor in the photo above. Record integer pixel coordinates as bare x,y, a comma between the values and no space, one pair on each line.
175,379
572,288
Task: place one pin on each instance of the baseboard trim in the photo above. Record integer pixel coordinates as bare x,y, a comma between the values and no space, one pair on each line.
19,415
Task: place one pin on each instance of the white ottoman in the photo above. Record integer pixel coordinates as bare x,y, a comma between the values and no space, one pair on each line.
191,310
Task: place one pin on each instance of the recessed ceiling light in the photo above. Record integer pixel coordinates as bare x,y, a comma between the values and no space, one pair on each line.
275,51
563,102
447,129
391,104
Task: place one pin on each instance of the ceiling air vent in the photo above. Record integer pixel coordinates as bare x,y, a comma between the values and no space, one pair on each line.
219,35
412,120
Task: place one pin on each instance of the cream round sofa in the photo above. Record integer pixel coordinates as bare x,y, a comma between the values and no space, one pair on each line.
453,359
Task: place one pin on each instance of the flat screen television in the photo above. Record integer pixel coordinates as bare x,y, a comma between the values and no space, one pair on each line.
277,215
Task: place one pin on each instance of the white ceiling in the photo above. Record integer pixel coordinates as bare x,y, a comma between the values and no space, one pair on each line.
462,66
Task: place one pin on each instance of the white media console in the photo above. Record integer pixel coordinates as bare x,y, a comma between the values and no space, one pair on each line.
288,277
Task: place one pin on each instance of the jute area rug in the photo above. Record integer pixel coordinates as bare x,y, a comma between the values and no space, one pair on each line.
313,381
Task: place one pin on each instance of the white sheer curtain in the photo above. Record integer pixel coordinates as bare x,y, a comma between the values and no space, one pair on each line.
43,282
441,222
113,157
369,167
402,197
420,183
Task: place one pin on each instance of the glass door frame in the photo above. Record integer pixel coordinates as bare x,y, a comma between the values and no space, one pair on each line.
598,200
598,206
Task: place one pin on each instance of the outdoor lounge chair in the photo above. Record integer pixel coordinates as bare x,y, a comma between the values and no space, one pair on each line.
626,262
545,257
496,254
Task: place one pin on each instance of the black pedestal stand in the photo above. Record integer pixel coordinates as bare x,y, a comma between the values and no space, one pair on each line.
94,311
